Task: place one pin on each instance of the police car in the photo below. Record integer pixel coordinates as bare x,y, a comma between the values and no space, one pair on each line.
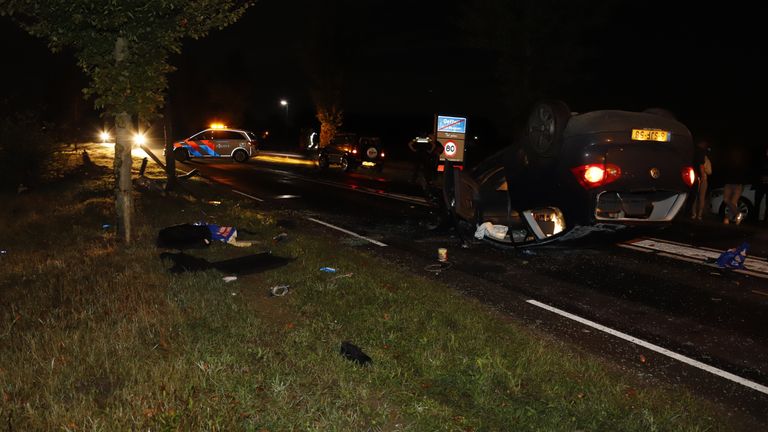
217,141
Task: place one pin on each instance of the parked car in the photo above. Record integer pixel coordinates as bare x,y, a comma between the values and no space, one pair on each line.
238,144
746,204
351,151
570,174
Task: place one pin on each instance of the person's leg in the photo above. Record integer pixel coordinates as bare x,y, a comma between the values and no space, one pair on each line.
760,193
701,199
728,192
736,195
694,203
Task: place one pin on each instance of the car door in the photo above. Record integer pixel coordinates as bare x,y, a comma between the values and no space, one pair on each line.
460,192
200,144
226,141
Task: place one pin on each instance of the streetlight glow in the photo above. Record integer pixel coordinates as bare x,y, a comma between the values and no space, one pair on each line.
283,102
139,139
105,137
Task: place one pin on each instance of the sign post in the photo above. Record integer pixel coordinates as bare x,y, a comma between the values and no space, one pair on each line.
450,132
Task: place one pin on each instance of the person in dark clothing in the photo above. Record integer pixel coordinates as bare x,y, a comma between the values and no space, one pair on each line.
425,164
703,167
761,185
735,174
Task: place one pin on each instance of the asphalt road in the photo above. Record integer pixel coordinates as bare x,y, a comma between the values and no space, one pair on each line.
648,300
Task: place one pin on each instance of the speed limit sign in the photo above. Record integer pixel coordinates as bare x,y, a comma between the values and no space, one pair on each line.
450,148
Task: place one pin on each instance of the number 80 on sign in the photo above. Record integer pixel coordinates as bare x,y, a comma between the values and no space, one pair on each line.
450,148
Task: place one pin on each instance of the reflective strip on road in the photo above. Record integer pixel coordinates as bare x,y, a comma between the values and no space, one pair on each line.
753,265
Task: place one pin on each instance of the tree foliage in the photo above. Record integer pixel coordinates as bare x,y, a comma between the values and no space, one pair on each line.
123,47
151,31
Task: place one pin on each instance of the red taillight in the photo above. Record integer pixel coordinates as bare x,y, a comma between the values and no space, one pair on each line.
689,176
593,175
382,154
354,151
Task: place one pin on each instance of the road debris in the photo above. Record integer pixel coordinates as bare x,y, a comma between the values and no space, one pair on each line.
353,353
240,266
328,269
279,290
198,235
733,258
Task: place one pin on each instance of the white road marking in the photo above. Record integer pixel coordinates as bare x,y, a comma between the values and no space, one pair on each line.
679,357
377,243
753,265
246,195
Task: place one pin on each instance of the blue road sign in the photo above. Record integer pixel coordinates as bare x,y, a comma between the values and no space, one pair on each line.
451,124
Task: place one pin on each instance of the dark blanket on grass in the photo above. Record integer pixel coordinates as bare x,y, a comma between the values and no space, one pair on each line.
243,265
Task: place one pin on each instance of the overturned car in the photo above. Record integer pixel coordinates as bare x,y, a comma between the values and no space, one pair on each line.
570,174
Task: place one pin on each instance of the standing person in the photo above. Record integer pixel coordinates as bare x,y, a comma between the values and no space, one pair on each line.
761,185
422,147
703,168
735,174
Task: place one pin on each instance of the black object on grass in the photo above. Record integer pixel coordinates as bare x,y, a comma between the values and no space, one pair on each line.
352,352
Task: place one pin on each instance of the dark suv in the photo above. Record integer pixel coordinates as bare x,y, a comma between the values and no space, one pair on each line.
350,151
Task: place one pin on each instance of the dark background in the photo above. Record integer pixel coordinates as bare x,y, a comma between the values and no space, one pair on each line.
398,63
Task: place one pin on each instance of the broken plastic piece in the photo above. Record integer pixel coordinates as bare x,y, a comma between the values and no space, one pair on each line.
328,269
229,278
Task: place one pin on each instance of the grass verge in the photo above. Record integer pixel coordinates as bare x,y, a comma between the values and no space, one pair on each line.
95,336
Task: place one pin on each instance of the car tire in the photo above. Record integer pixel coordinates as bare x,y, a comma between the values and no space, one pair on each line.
746,208
322,161
181,154
346,164
240,156
546,124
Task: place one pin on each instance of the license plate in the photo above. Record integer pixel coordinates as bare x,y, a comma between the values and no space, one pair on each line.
369,164
650,135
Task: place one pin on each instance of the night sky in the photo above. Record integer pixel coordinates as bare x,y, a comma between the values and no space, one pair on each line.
399,63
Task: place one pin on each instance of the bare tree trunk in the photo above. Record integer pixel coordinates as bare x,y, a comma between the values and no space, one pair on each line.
123,185
123,160
170,160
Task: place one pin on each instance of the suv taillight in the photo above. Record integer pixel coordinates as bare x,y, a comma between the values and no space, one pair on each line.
689,176
593,175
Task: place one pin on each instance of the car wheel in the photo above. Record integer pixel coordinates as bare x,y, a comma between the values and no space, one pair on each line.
745,208
181,154
345,164
240,156
545,127
322,161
